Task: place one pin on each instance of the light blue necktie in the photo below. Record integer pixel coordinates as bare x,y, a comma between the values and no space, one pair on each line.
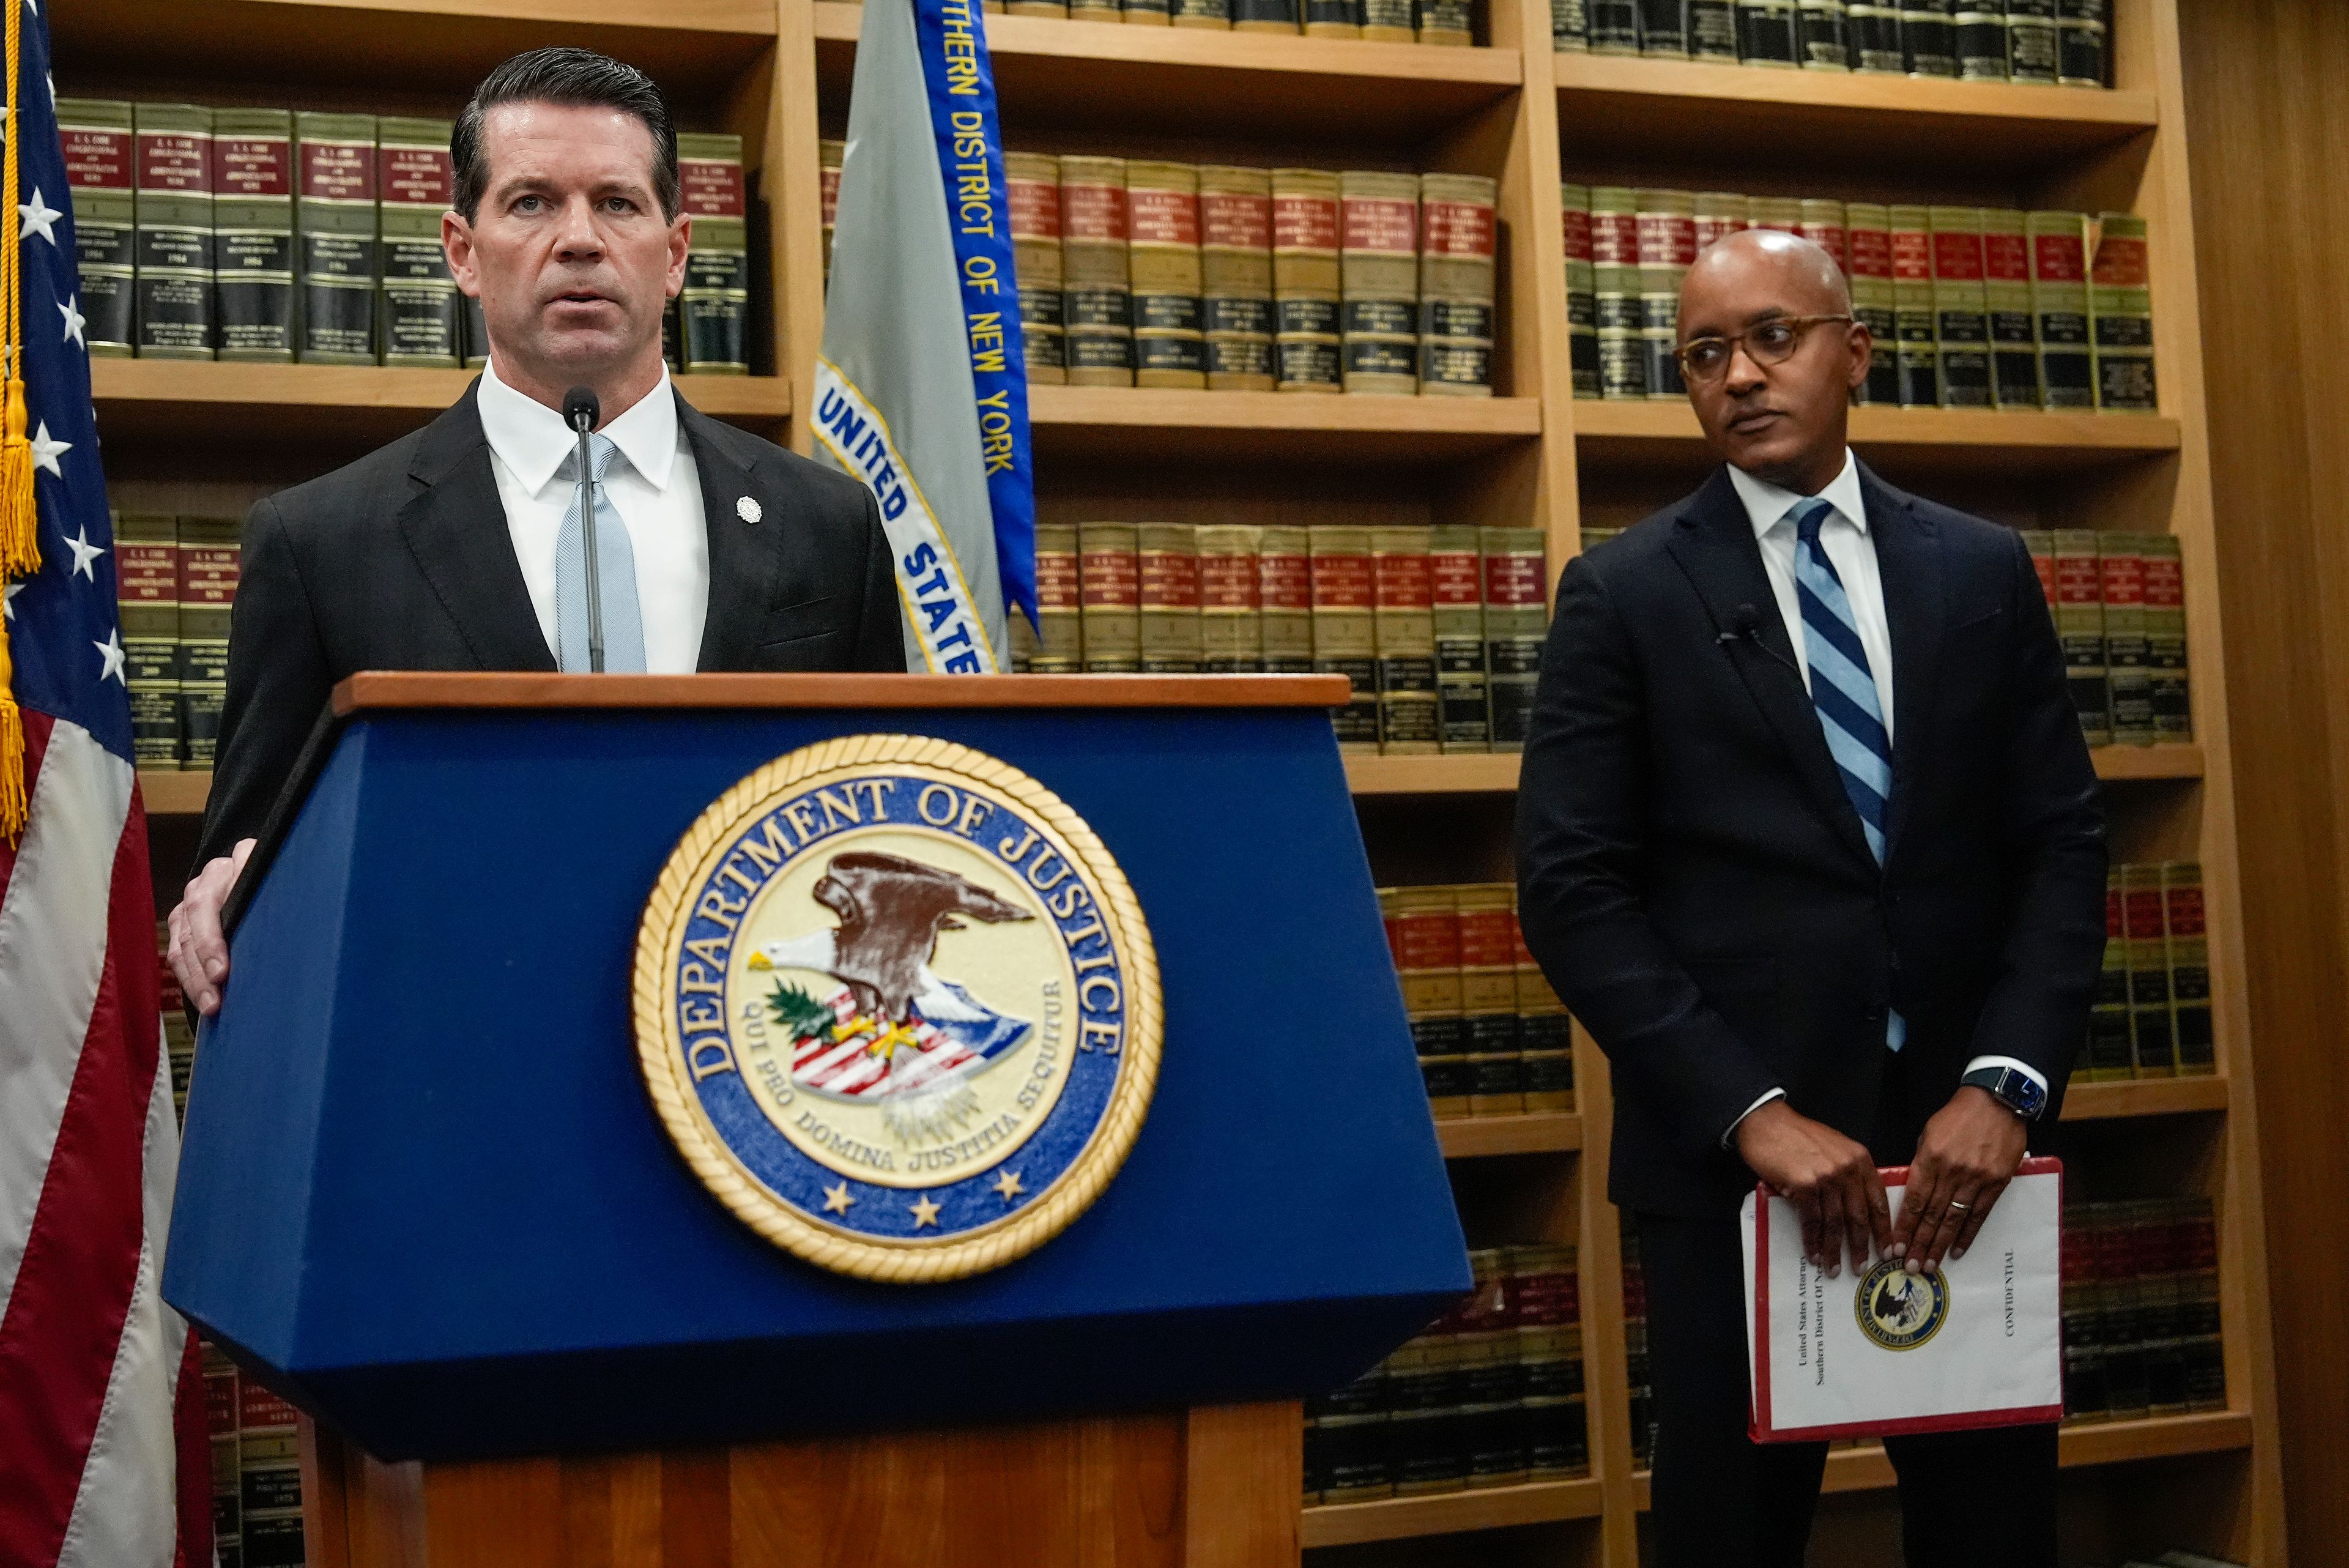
1843,689
616,567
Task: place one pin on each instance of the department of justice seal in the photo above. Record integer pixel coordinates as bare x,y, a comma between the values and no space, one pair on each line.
1899,1309
898,1007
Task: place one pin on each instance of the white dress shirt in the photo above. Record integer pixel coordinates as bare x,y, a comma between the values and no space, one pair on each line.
652,483
1845,538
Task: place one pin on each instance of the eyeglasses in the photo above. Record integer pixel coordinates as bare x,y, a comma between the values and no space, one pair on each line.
1773,342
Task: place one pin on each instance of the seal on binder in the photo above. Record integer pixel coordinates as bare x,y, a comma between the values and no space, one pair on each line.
1899,1309
898,1007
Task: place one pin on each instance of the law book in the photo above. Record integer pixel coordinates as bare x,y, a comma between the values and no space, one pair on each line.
2165,635
829,153
1569,26
1033,195
2120,313
2059,308
1929,37
1514,622
417,319
1256,16
1488,999
1720,213
1823,222
209,564
172,202
1103,11
1345,637
1594,537
2195,1242
2080,625
335,237
2109,1054
1457,234
221,1380
1378,282
1619,307
1492,1386
269,1463
1769,33
1449,23
2083,45
1305,280
1981,33
1823,35
1146,14
1545,1033
1097,309
252,234
672,336
1168,559
1913,307
1110,576
2128,670
1231,622
1347,1438
1424,933
2188,960
100,155
1712,30
1215,15
2082,1316
2144,924
1456,593
147,590
476,331
1960,307
1163,265
1614,26
1774,213
1403,634
1663,29
2041,543
1284,597
714,307
1581,300
1868,241
1874,37
1060,602
1547,1289
2014,338
1236,276
1665,234
2031,41
1639,1391
1037,8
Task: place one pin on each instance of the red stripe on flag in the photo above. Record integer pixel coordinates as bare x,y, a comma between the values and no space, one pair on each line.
64,1321
195,1454
37,746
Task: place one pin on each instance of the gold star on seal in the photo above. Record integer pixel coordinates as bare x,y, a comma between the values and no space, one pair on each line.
925,1211
1008,1184
836,1200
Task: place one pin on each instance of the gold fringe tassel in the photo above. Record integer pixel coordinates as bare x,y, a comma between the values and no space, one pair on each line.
20,550
12,749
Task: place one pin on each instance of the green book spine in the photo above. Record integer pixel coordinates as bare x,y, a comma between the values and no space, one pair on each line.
335,222
174,211
209,563
1621,315
2128,668
1515,618
714,310
2165,636
418,318
1110,572
252,234
1231,626
1060,602
2120,309
2015,341
100,150
146,586
1404,629
1960,307
1912,307
1868,242
1667,240
1167,558
2059,307
2189,968
2080,623
1455,573
2142,917
2110,1055
1582,297
1345,636
1284,590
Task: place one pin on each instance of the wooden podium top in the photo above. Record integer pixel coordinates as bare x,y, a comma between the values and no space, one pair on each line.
378,690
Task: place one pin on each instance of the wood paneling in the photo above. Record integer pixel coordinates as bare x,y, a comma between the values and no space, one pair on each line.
375,689
2267,101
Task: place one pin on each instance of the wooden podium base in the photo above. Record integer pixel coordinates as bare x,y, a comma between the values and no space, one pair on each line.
1216,1487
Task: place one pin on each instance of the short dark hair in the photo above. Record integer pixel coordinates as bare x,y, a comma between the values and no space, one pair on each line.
564,76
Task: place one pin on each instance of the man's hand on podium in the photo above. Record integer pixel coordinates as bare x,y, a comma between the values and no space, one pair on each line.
198,951
1830,1181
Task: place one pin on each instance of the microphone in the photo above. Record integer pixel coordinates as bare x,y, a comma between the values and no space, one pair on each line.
582,409
1745,625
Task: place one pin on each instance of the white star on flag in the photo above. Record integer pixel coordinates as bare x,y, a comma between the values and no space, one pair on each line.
38,214
111,651
71,311
84,554
45,451
8,601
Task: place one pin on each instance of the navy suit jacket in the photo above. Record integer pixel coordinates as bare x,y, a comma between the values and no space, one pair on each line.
1695,883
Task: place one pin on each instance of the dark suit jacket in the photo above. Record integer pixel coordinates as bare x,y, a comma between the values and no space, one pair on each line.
402,561
1695,883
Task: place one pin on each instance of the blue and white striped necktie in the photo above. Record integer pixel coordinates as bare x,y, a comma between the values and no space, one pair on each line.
615,573
1843,689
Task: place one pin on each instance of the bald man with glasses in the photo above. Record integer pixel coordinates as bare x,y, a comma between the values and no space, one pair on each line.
1808,838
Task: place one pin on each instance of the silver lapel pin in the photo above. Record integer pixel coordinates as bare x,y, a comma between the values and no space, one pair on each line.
748,510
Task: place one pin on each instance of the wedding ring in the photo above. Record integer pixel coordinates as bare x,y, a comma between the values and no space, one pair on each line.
1961,1207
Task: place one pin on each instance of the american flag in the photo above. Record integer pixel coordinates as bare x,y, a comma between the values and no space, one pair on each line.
865,1059
102,1450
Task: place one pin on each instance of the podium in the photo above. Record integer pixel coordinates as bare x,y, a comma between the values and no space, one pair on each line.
426,1196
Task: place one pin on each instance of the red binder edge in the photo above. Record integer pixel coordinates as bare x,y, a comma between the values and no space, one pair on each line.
1757,1426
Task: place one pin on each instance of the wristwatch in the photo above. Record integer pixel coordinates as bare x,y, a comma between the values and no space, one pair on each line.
2017,1092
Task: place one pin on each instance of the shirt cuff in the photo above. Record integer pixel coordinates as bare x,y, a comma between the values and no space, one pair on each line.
2025,1068
1773,1095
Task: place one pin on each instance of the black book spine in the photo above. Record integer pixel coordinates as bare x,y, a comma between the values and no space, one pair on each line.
1981,44
175,318
99,156
1875,38
2084,55
1664,28
1929,37
1614,26
1768,33
1823,40
2030,41
253,238
1264,16
1713,29
1570,25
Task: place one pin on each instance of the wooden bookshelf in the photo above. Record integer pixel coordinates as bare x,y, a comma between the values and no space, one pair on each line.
1536,1132
1158,425
1450,1513
2087,1101
1935,441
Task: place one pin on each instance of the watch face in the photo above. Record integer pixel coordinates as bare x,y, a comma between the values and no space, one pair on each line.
2026,1097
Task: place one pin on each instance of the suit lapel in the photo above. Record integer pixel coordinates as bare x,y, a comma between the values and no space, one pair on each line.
1909,561
1715,544
743,556
455,527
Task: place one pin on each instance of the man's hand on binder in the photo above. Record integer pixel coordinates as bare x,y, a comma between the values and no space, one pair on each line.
1829,1180
1969,1153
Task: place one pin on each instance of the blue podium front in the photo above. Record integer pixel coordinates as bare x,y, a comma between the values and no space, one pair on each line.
425,1191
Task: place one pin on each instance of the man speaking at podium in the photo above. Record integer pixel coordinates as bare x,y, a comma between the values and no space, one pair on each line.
1809,840
461,547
